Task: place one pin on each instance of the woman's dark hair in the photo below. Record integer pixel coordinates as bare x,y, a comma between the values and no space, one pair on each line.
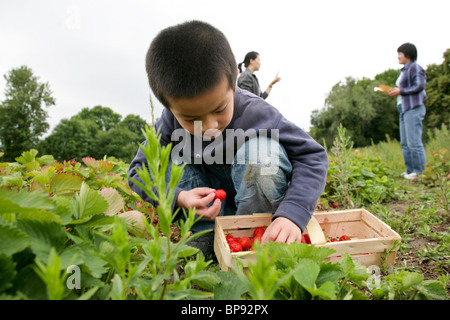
251,55
409,50
187,59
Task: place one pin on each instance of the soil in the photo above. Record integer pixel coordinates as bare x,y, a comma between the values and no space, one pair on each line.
411,259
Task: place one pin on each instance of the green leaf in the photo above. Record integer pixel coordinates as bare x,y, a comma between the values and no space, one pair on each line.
7,271
12,239
87,203
433,289
44,236
27,156
24,201
64,181
306,273
328,272
230,287
206,280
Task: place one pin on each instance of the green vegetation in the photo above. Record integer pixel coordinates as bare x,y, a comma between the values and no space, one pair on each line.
75,230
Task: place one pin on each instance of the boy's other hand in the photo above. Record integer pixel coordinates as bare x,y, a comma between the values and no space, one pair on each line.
282,230
199,198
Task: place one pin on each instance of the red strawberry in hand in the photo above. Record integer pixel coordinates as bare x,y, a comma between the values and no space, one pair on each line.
220,194
306,239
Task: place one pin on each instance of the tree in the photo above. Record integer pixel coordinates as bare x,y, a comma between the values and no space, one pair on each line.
96,133
438,92
22,116
105,118
70,139
368,116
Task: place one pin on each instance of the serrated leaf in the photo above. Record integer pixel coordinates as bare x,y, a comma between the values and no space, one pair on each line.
230,287
90,162
22,201
306,273
12,240
114,199
65,182
27,156
43,236
7,272
14,179
206,280
105,166
433,289
87,203
328,272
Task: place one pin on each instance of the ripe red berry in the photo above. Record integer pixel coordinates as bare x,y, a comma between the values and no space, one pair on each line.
257,238
335,205
306,238
344,238
230,238
235,246
245,243
220,194
258,231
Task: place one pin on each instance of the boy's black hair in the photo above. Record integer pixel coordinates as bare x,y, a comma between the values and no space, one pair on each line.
409,50
187,59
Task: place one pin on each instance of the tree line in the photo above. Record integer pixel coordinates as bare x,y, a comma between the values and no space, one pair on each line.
93,132
371,117
368,116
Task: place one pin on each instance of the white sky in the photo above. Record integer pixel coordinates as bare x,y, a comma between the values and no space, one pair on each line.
92,52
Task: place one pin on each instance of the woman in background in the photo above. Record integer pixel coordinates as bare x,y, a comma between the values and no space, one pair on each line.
410,93
247,79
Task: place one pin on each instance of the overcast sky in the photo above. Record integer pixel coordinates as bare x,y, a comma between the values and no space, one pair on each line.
92,52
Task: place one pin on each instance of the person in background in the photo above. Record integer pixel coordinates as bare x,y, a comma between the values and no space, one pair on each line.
247,79
411,95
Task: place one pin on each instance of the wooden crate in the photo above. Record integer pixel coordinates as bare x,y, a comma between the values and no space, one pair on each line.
370,237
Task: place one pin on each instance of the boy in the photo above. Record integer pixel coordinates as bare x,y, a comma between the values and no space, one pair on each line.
228,138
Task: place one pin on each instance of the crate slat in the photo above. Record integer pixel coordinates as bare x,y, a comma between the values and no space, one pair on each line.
370,236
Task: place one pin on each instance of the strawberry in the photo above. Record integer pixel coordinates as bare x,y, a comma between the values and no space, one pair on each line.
245,243
335,205
258,231
230,238
306,237
334,240
257,238
220,194
344,238
235,246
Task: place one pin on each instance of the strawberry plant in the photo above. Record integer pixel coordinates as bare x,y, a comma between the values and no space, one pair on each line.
60,216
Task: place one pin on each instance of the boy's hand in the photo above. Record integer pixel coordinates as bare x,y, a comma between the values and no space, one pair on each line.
282,230
199,198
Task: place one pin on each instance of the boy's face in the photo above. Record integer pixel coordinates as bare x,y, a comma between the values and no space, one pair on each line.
213,110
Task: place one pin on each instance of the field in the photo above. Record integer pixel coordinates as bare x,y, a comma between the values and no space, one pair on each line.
74,230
